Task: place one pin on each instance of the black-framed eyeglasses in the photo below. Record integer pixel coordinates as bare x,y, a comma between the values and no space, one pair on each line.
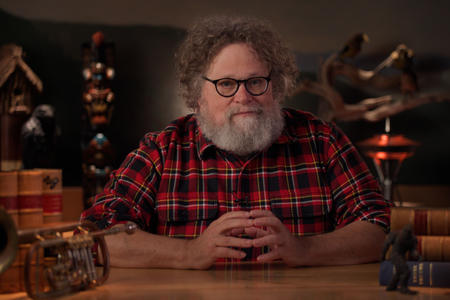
228,87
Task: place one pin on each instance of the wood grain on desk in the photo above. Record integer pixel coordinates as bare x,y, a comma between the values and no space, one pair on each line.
248,281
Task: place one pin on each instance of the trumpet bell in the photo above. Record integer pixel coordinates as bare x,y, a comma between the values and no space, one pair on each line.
55,264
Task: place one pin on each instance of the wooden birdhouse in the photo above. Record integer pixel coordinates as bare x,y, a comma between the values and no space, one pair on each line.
18,83
18,86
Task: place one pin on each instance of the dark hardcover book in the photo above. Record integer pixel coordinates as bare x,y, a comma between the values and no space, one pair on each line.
423,273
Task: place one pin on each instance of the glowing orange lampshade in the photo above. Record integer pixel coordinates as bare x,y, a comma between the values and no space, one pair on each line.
388,152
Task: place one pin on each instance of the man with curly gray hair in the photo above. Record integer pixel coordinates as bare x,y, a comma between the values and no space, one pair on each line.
205,40
242,178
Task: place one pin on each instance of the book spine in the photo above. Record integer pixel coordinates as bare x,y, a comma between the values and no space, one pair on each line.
30,198
434,248
434,221
423,274
8,194
52,195
9,280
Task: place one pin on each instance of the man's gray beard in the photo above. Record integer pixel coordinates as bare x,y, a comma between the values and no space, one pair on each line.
251,135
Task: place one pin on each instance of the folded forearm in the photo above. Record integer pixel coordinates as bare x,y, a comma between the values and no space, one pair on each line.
358,242
145,250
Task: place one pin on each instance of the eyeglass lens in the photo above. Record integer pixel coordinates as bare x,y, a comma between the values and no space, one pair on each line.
255,86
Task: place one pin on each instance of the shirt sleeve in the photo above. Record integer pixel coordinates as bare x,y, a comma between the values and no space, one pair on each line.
130,192
355,191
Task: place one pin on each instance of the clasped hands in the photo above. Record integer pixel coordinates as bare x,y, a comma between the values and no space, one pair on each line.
222,239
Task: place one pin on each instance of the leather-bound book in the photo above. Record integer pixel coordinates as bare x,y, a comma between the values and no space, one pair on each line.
30,199
52,195
8,194
425,221
10,279
434,248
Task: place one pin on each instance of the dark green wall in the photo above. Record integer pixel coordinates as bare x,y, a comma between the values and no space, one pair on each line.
146,97
145,87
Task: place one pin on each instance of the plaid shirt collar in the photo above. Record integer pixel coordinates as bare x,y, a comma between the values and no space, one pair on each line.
204,145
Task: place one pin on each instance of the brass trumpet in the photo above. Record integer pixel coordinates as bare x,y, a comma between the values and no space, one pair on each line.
57,263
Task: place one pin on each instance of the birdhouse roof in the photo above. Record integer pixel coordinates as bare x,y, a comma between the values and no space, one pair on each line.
10,59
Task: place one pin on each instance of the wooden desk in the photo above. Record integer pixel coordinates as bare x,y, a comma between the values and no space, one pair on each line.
247,281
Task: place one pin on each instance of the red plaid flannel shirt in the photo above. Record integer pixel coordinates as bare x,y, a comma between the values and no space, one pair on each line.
177,182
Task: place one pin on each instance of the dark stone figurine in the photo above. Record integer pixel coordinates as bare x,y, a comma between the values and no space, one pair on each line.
39,138
402,242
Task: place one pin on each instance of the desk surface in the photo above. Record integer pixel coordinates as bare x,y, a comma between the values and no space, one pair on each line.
247,281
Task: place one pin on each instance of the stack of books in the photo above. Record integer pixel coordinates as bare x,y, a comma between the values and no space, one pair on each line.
32,198
431,226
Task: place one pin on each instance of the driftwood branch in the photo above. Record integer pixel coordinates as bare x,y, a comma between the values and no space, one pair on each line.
398,106
370,109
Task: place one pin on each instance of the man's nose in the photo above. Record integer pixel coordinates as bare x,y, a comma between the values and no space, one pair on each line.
242,95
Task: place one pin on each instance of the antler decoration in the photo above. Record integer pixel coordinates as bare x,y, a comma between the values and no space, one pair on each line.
370,109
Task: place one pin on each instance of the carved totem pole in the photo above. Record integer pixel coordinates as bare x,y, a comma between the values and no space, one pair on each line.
98,98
